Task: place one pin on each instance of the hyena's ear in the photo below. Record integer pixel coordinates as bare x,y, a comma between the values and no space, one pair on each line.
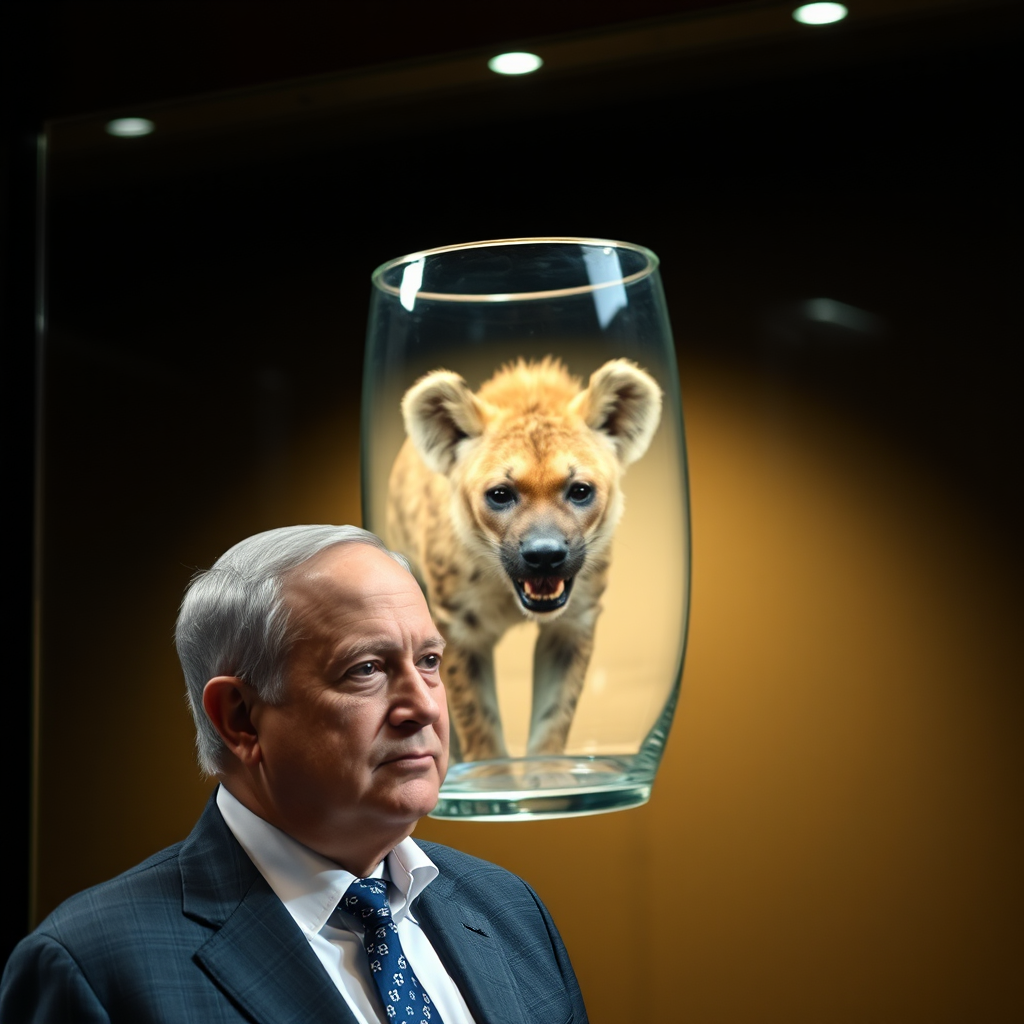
623,402
439,412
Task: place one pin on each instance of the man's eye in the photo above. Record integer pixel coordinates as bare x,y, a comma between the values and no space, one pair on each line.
431,662
365,668
581,493
500,497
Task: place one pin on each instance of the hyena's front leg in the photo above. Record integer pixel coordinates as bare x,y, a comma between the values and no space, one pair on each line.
560,663
473,702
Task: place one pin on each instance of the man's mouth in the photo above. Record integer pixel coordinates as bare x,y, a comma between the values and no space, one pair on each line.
543,593
412,757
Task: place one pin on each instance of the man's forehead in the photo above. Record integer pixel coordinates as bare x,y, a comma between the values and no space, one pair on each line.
351,576
345,564
341,608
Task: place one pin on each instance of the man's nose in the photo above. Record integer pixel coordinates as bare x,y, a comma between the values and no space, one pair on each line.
415,699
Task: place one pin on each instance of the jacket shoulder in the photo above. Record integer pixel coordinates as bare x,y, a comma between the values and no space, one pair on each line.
448,856
119,902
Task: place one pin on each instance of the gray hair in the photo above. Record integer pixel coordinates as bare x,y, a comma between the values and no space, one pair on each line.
234,621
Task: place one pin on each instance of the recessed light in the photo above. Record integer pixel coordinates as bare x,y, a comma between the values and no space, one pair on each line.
820,14
514,63
130,127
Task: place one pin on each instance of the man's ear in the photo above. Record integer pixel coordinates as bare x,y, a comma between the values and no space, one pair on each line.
228,702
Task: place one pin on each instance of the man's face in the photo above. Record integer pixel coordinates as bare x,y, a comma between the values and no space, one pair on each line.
358,747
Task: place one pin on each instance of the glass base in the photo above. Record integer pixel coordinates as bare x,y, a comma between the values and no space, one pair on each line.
532,788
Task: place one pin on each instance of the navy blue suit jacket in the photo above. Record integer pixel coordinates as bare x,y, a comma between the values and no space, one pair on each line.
196,934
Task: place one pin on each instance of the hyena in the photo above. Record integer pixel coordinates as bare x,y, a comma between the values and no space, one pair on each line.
505,502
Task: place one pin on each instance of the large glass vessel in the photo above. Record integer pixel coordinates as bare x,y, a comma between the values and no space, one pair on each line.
522,445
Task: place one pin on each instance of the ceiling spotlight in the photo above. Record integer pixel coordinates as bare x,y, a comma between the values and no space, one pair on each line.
820,14
514,63
130,127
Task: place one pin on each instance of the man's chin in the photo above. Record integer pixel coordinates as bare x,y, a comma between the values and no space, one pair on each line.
416,798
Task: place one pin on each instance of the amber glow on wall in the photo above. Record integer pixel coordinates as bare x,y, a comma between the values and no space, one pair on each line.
836,806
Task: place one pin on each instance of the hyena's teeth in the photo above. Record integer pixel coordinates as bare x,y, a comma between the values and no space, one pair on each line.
544,589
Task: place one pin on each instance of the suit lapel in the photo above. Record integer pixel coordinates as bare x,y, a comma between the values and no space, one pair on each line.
462,938
257,955
260,959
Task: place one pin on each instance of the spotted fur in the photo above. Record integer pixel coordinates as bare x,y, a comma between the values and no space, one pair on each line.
505,501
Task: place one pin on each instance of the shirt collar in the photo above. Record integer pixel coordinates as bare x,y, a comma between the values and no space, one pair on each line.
307,883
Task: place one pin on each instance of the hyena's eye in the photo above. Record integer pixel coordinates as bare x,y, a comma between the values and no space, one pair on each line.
581,494
500,497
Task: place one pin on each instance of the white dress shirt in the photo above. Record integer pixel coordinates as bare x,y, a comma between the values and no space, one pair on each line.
311,886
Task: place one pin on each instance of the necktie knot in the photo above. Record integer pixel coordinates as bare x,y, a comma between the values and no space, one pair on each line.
366,899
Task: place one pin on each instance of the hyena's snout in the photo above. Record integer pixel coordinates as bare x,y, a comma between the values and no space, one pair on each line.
543,565
544,553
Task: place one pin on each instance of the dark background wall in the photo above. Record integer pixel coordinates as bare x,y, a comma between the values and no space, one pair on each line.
836,830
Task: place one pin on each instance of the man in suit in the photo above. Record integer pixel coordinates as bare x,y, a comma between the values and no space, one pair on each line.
312,667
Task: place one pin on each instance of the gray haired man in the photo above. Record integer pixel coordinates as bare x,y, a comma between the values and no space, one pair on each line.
313,675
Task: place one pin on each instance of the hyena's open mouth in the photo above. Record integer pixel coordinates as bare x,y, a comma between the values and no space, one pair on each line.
544,593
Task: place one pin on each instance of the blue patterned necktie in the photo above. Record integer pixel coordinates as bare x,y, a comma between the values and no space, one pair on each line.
405,1000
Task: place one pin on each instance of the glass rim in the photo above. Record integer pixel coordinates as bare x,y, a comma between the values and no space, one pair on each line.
651,266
